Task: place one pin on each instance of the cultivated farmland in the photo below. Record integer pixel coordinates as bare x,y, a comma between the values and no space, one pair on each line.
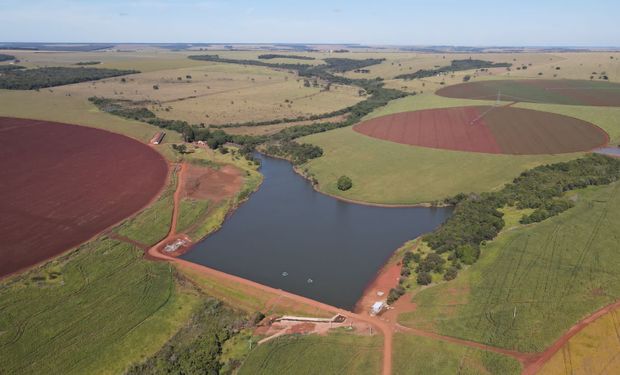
95,310
571,92
493,130
336,353
533,282
53,173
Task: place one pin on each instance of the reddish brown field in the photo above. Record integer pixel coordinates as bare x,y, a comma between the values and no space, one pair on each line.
211,184
62,184
494,130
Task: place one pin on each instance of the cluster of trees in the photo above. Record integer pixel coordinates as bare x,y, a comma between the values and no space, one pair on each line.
455,66
30,79
83,63
298,153
197,347
477,218
269,56
122,108
5,57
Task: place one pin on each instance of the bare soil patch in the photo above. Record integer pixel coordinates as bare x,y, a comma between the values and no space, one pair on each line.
62,184
486,129
211,184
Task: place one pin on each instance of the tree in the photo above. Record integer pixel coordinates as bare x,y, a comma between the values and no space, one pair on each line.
424,278
181,149
344,183
468,254
450,274
466,78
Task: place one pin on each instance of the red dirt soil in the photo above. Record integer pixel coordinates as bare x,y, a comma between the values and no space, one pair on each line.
211,184
62,184
485,129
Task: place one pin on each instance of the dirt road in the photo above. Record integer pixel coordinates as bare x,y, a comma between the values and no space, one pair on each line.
545,356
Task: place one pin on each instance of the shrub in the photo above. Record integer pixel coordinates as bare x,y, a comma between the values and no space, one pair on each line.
395,294
344,183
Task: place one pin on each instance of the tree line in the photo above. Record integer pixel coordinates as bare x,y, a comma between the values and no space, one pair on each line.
269,56
32,79
455,66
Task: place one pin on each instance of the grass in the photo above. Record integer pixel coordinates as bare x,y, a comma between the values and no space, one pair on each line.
96,309
592,351
190,211
153,223
421,355
215,93
386,172
532,282
337,353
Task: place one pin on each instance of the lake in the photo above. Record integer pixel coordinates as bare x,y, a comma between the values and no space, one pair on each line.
289,236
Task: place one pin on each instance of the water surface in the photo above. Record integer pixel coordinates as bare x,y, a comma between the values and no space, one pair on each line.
290,237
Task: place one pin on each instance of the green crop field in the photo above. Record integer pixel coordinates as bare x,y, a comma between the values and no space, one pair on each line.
421,355
153,223
532,282
336,353
95,310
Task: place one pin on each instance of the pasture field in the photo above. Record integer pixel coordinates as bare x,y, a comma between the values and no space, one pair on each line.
336,353
539,65
144,59
592,351
216,93
532,282
421,355
94,310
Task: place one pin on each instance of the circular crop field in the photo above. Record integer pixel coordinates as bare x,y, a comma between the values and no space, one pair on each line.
62,184
561,91
494,130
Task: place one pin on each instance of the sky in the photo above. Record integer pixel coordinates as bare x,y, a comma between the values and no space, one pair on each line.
387,22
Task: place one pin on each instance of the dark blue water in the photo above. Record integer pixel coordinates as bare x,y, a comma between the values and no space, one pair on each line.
329,249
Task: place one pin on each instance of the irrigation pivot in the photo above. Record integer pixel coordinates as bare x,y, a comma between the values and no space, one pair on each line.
497,104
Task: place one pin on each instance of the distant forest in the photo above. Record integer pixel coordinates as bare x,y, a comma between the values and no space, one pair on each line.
455,66
32,79
4,57
270,56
